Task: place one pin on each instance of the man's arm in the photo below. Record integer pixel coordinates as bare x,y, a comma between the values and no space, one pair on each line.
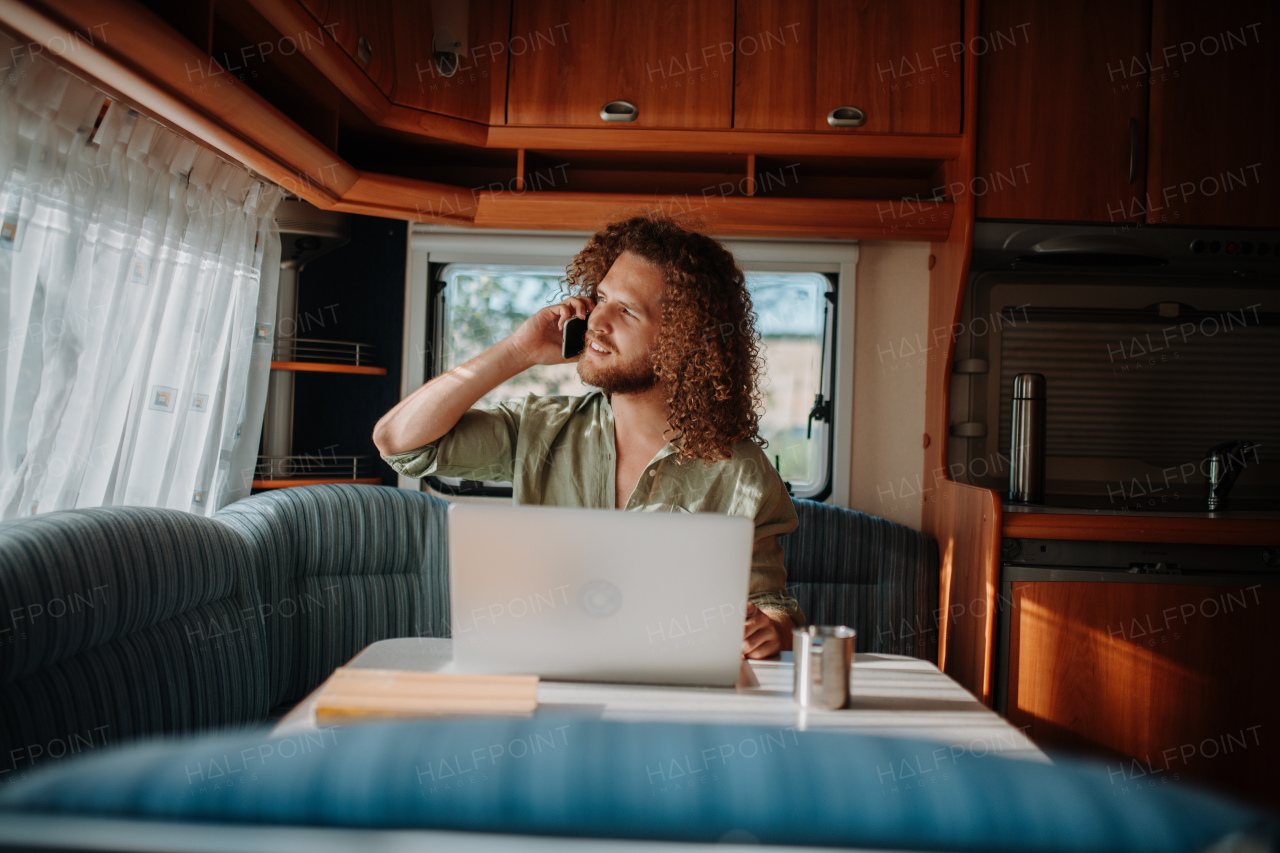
771,612
435,408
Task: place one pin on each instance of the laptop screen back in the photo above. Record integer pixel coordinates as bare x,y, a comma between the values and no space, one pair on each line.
599,595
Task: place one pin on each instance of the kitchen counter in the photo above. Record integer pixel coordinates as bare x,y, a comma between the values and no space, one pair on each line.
1212,528
1159,518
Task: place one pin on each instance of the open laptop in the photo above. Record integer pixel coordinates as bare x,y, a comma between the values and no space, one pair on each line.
599,595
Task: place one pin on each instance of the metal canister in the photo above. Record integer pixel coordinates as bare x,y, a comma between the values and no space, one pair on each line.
1027,436
823,665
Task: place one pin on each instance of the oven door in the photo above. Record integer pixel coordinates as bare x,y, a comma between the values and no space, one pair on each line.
1175,671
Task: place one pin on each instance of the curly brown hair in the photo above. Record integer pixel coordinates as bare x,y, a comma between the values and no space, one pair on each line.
708,350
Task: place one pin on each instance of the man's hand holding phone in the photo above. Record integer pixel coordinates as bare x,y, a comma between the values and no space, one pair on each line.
543,338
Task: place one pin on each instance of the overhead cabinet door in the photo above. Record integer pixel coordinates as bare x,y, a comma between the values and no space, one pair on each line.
871,66
631,63
1215,113
363,29
451,58
1062,111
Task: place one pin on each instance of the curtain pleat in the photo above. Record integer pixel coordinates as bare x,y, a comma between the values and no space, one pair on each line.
138,276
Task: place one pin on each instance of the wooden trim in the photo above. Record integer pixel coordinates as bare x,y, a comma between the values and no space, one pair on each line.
897,146
967,525
142,60
288,484
407,198
318,367
725,215
751,174
964,520
1112,528
435,125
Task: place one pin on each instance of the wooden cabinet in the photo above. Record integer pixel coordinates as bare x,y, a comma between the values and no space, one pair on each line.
1061,124
1171,683
1063,117
364,30
671,59
469,79
899,64
1214,76
318,8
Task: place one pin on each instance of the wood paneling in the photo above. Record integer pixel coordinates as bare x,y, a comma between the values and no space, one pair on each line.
1176,683
724,215
406,198
726,141
352,20
1056,105
477,88
964,520
317,8
1214,76
344,72
661,55
799,59
1111,528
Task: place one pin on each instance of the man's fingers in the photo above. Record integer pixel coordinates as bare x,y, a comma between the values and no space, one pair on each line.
579,306
761,646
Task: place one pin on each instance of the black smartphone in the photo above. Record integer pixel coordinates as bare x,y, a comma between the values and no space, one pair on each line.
575,337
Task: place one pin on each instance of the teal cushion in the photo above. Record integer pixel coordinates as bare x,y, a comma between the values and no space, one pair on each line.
342,566
846,567
566,776
123,622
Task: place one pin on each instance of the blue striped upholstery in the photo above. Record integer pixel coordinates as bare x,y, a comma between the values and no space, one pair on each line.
880,577
342,566
591,778
120,622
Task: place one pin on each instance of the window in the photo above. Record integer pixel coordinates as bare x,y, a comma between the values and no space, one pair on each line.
477,305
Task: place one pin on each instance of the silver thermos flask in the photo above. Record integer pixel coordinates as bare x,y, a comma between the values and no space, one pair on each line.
1026,451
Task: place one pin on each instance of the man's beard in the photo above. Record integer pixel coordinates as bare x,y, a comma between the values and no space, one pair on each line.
614,376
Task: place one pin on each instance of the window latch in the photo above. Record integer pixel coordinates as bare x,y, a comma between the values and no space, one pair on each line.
821,411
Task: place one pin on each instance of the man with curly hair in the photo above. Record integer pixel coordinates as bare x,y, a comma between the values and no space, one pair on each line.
672,427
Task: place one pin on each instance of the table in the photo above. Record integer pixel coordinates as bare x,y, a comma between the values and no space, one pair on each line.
893,695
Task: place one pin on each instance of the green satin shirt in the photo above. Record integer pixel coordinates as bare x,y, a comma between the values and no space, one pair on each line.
559,451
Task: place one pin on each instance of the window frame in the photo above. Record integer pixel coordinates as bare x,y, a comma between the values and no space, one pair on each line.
430,248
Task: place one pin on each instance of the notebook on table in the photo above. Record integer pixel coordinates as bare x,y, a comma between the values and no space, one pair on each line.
599,595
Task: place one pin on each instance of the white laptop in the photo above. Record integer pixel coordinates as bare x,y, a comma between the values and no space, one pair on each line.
599,595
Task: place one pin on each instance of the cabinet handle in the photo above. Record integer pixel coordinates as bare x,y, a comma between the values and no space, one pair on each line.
846,117
364,50
1133,150
445,57
619,111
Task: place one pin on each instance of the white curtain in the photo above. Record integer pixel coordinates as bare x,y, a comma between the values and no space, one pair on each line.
138,277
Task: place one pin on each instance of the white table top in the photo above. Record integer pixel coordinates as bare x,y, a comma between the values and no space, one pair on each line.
892,695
